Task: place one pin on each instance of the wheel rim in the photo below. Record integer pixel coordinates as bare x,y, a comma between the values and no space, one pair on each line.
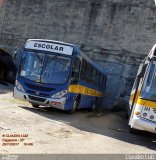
75,105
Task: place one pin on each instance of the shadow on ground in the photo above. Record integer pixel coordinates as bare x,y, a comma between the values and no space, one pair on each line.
109,124
6,87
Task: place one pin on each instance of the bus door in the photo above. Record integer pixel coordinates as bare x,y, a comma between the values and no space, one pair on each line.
136,88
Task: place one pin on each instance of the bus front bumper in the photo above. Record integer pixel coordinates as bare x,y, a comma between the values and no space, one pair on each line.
143,124
56,103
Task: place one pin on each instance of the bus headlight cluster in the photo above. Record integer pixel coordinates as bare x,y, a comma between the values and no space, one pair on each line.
59,94
19,87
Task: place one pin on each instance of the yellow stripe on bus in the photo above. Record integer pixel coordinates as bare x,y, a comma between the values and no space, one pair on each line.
137,96
84,90
142,102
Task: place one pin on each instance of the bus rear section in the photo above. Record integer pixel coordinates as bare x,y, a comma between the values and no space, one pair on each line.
46,76
143,97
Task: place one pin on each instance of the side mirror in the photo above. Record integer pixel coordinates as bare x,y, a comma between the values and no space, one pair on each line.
14,55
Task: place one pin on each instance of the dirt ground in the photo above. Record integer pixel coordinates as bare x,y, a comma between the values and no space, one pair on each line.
26,130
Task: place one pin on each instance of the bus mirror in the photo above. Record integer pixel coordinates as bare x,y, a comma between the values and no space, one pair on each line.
142,71
74,80
14,55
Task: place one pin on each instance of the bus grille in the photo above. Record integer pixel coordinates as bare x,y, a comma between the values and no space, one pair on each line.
37,99
41,88
40,94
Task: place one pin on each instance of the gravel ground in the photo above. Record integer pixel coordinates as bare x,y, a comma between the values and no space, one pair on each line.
26,130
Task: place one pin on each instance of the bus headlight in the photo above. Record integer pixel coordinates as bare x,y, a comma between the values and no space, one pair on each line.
137,113
59,94
19,87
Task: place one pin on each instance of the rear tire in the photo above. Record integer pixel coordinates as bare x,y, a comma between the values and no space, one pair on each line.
35,105
93,107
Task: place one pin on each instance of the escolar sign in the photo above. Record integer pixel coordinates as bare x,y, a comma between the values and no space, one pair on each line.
48,46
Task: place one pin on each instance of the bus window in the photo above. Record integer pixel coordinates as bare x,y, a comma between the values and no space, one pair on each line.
104,82
83,70
76,68
55,69
93,77
31,65
39,67
101,79
149,88
97,78
88,72
150,75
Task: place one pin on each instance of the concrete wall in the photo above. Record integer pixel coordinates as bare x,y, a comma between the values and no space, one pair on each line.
117,34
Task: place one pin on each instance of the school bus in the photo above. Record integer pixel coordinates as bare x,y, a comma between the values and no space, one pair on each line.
58,74
142,101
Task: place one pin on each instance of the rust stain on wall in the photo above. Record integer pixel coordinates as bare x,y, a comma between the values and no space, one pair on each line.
1,4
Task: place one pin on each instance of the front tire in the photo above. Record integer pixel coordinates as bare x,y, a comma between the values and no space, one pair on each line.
75,106
35,105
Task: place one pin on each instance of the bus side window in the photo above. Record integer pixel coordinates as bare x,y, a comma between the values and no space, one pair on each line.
137,79
88,72
93,77
150,76
76,68
83,70
104,82
22,61
101,80
97,78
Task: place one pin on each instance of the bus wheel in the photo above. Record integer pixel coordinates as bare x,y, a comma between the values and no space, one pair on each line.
35,105
75,106
93,107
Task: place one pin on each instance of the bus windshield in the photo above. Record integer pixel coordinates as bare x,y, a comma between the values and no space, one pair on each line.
45,68
149,89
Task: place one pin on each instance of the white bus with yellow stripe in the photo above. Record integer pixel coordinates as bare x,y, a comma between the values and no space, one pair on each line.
142,101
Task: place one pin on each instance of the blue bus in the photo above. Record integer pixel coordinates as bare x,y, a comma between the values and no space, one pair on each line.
57,74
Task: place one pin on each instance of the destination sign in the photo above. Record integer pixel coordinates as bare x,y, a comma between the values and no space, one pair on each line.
50,47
